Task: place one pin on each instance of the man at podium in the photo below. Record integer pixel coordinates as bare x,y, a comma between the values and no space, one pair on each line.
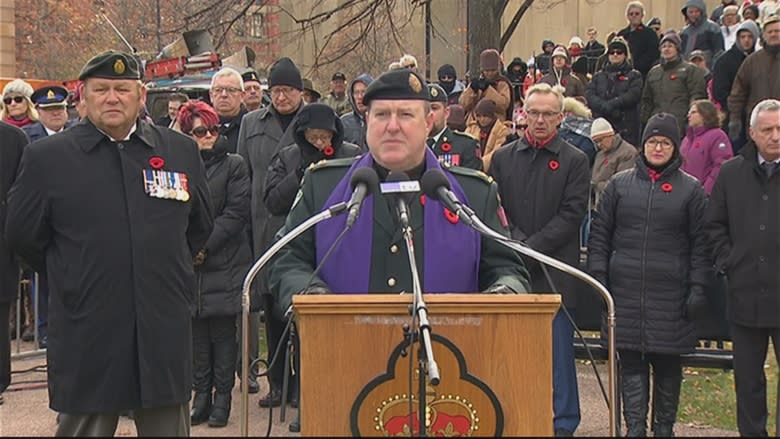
372,256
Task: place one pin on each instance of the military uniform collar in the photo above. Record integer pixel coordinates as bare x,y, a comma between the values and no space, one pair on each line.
91,135
439,135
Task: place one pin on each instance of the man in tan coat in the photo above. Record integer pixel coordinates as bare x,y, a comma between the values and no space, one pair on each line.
615,155
489,85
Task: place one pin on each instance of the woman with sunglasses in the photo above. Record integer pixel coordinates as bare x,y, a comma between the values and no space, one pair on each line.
220,268
647,247
615,91
18,110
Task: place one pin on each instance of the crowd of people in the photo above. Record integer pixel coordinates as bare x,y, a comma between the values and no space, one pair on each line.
658,140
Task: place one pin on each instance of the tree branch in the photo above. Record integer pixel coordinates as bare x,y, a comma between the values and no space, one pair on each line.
513,24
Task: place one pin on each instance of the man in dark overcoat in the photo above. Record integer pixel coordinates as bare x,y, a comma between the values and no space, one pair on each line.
113,210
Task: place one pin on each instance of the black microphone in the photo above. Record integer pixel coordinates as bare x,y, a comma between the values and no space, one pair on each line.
363,183
394,188
436,186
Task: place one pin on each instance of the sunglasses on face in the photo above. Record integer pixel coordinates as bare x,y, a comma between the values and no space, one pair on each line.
201,131
616,52
17,99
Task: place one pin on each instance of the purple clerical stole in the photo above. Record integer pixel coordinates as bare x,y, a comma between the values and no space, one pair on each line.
451,252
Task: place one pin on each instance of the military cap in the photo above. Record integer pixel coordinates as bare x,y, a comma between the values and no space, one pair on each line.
309,86
338,75
437,93
250,75
111,65
50,96
397,85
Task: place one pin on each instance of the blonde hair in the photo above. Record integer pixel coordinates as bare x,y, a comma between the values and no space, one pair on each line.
23,88
408,61
395,65
32,113
544,89
635,5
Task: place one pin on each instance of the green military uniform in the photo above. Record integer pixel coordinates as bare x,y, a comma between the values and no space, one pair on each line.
457,149
451,147
390,271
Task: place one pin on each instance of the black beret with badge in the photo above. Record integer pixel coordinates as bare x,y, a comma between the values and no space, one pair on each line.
50,96
401,84
250,75
111,65
437,93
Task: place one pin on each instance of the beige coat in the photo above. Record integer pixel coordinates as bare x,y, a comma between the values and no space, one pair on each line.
620,156
499,93
496,138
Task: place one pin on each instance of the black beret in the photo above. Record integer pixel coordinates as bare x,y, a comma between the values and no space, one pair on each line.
50,96
111,65
250,75
397,85
437,93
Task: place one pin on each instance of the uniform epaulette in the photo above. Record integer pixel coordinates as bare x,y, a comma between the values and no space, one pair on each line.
470,172
334,163
465,134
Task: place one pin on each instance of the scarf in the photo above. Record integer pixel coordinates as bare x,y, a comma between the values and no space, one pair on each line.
539,144
348,269
18,123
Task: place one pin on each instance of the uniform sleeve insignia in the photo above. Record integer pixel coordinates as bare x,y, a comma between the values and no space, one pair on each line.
414,83
119,66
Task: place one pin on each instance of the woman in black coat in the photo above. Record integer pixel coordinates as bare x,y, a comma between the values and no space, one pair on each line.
615,91
647,246
14,141
220,267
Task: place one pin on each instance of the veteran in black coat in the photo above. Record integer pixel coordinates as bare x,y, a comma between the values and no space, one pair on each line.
115,223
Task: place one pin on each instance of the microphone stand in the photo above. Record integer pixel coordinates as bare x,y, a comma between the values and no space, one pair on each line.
469,217
425,355
330,212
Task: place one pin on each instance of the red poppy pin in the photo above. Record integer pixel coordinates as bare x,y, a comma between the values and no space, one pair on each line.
697,144
451,217
446,147
604,162
156,162
666,187
673,76
564,82
622,78
553,165
422,200
328,151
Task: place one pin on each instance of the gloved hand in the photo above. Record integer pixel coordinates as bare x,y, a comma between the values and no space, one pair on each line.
199,258
735,129
474,85
696,306
316,289
484,84
500,289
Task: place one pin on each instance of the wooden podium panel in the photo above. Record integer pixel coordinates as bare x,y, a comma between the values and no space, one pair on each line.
346,342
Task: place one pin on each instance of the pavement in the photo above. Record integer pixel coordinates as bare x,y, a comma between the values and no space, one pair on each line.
26,413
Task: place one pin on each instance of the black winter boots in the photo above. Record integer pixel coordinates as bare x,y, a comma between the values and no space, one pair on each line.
201,408
220,412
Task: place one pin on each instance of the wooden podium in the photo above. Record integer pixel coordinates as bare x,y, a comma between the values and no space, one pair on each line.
494,354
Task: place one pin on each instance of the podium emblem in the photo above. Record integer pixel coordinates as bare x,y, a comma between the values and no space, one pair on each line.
461,405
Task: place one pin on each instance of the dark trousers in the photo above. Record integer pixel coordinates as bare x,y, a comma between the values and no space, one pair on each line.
158,421
43,304
667,378
274,329
566,398
214,354
5,346
750,350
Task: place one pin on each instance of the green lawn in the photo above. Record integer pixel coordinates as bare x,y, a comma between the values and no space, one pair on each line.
708,398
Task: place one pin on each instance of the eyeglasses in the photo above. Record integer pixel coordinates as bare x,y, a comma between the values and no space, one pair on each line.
17,99
228,90
201,131
534,114
616,52
276,91
521,127
664,144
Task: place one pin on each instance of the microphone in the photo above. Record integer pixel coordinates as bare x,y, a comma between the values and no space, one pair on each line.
363,182
436,186
398,188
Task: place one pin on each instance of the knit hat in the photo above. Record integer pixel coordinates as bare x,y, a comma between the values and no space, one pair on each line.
601,127
485,107
316,116
18,86
619,43
447,70
774,18
284,72
662,124
489,59
457,119
560,51
672,37
697,54
731,10
654,21
576,40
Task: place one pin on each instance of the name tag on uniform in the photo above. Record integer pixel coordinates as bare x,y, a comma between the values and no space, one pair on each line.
166,184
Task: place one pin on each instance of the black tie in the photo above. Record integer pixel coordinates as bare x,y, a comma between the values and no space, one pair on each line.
769,168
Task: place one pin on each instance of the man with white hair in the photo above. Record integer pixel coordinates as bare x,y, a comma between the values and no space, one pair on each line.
742,226
227,94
